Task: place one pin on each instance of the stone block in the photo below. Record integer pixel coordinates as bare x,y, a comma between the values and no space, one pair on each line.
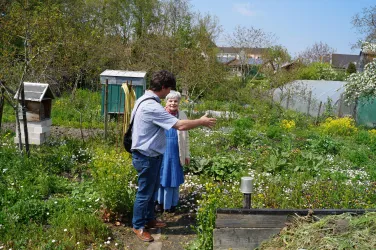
34,141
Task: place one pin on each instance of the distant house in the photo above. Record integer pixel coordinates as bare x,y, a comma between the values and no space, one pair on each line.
342,61
237,66
227,54
238,59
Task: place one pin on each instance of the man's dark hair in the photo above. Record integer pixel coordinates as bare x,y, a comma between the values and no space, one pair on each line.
162,78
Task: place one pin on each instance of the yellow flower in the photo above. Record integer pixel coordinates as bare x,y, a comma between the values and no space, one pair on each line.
288,124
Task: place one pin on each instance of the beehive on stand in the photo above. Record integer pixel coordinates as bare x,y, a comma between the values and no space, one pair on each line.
38,104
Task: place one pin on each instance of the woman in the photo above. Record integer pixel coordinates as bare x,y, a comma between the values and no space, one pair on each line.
175,156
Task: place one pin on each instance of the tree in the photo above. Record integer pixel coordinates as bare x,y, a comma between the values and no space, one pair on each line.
244,40
365,22
351,68
318,52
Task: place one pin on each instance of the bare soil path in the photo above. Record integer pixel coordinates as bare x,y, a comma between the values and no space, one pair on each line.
175,236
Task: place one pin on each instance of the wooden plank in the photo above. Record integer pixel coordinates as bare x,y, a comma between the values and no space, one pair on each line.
250,221
241,238
293,211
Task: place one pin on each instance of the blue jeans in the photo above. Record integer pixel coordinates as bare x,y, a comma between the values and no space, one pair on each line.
148,169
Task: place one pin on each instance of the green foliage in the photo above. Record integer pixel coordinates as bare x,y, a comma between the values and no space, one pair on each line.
328,109
277,161
70,226
358,156
320,71
220,167
325,145
85,107
364,137
206,215
242,134
309,162
115,179
274,132
351,68
35,195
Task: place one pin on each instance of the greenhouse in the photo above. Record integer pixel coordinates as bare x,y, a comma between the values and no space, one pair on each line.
315,97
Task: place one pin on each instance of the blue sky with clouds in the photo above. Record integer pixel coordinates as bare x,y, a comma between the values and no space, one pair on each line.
297,24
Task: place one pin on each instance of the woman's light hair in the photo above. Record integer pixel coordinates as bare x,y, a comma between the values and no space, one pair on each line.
173,95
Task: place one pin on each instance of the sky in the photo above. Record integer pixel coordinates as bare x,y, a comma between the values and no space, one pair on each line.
297,24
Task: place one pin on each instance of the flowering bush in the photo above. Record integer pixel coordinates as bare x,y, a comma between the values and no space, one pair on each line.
340,126
288,124
362,84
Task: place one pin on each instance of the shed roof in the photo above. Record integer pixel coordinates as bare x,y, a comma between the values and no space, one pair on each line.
36,92
251,61
343,60
123,73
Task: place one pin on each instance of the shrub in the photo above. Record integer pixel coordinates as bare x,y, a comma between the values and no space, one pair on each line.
351,68
241,134
274,132
341,126
325,145
364,137
115,180
358,157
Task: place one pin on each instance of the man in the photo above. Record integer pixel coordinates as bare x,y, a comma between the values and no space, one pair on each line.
148,145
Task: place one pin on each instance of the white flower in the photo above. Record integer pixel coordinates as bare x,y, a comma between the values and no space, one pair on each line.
53,241
65,229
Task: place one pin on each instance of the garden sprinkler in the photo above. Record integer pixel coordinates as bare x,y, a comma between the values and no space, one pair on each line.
246,187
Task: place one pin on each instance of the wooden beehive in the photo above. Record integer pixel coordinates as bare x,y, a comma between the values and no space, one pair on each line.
38,101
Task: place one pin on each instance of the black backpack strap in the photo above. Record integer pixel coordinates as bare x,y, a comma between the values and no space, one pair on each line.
131,124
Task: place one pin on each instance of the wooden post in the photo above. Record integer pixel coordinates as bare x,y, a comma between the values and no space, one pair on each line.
26,134
354,110
318,113
1,105
288,99
309,102
340,111
118,118
105,108
247,201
